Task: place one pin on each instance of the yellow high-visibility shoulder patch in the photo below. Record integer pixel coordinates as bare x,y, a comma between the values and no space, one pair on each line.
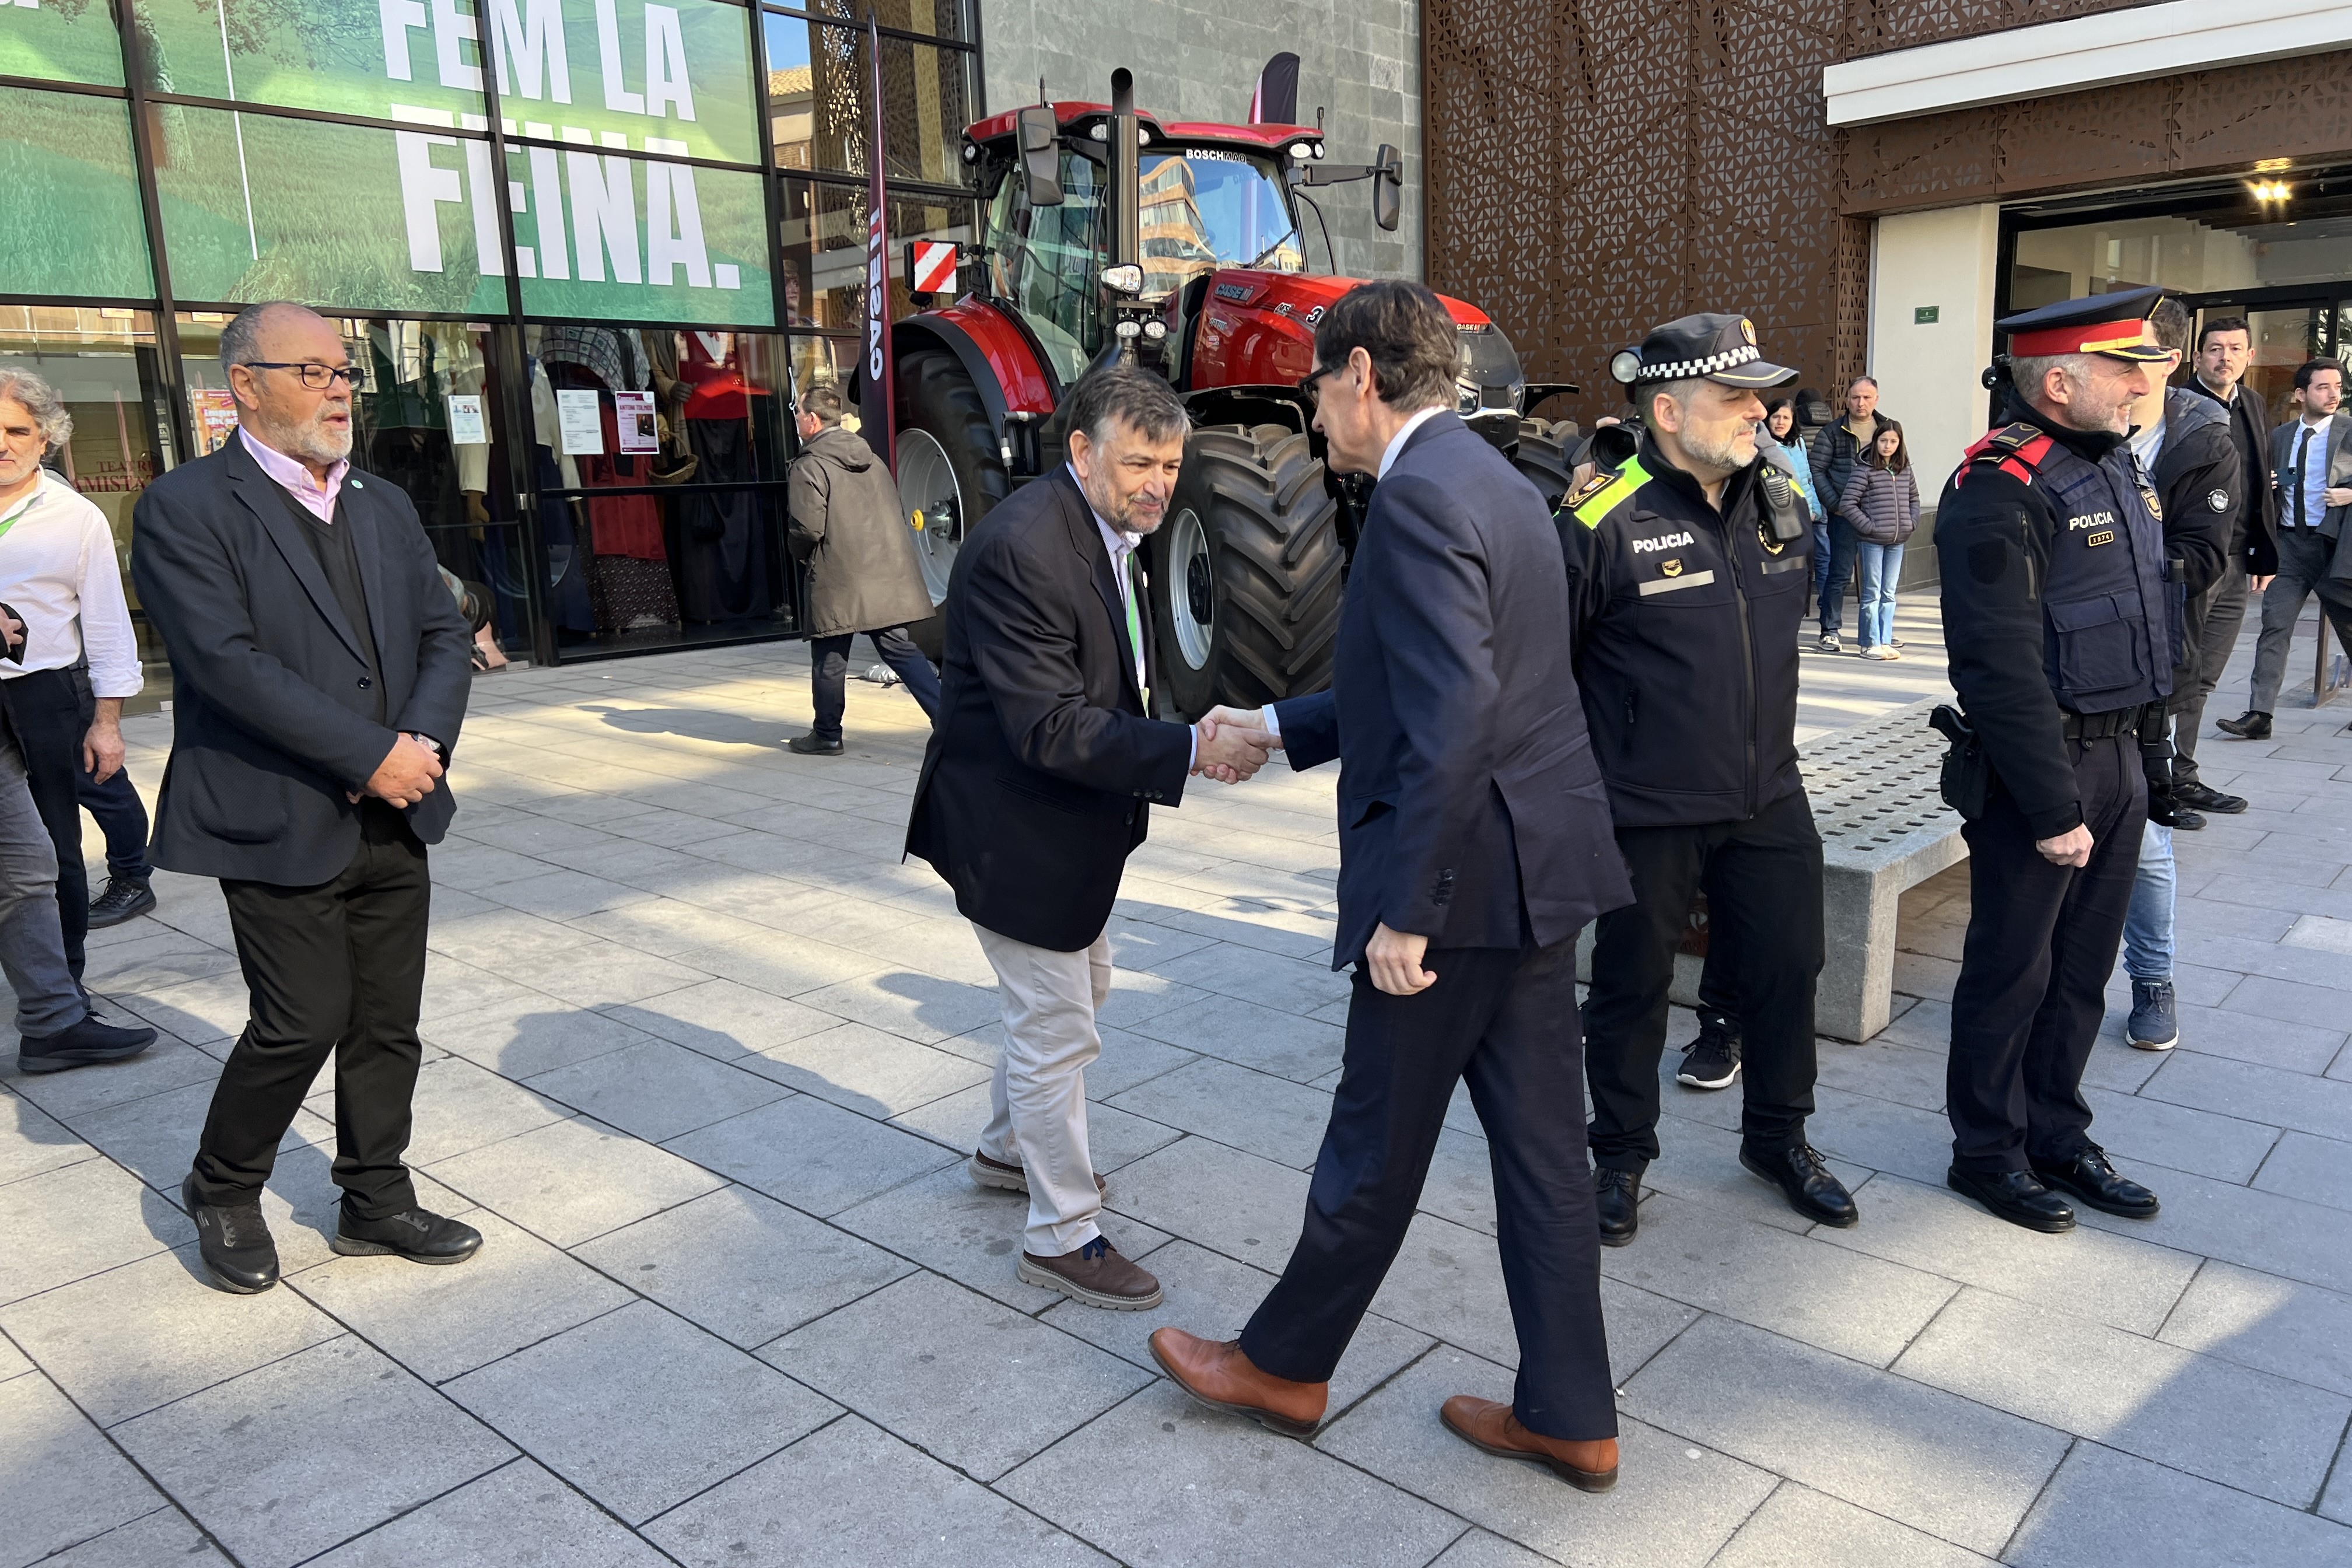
1601,497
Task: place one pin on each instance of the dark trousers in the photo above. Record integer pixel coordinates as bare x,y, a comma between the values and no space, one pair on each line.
338,968
1505,1020
2214,619
122,817
1763,883
52,716
829,674
1845,548
2033,972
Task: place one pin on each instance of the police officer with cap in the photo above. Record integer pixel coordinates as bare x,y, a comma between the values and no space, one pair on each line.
2062,630
1688,564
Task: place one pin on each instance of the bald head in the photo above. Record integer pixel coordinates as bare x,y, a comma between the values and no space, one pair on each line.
265,353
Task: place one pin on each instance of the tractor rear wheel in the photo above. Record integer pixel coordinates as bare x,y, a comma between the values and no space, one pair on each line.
948,470
1543,457
1247,570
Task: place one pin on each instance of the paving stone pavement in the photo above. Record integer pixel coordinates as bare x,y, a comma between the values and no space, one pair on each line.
703,1058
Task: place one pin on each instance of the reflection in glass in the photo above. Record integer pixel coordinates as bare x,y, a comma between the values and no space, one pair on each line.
818,80
103,364
1208,209
73,225
824,249
62,40
2224,252
937,18
1046,260
2282,340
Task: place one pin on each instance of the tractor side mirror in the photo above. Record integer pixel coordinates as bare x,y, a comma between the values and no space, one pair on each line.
1388,187
1041,155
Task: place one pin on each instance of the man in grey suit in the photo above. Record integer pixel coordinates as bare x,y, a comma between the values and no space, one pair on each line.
319,673
2311,461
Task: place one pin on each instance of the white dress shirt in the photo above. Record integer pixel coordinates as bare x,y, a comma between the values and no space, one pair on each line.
2310,442
57,567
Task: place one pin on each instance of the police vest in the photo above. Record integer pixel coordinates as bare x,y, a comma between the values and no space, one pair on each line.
2111,623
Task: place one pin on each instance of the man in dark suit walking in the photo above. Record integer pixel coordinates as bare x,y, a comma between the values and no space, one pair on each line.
2311,458
320,674
1474,843
1044,764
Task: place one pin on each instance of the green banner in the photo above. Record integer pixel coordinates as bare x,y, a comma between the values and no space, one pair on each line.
634,74
258,206
60,40
72,225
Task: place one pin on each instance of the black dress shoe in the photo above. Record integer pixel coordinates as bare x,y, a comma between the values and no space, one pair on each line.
86,1043
815,745
1805,1181
2187,821
1618,1196
234,1242
2017,1196
2251,725
418,1235
2205,799
2092,1180
125,899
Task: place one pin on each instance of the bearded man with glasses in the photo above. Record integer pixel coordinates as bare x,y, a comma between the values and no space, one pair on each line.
320,674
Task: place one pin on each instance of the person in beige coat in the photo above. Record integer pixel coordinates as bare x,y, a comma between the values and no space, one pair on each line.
850,530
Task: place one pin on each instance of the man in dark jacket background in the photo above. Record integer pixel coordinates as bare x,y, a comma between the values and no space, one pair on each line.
1835,452
2224,348
850,528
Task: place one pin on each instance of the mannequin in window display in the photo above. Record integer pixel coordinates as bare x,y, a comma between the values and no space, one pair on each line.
723,548
563,520
629,575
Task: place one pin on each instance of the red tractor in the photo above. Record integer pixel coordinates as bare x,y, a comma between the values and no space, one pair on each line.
1108,233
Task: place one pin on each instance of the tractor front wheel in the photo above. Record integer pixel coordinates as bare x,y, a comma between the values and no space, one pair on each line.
948,470
1246,572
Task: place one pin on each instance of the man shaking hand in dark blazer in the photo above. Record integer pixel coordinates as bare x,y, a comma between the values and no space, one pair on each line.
320,672
1473,844
1044,764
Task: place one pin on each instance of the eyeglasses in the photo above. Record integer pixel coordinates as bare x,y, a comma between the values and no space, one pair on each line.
317,377
1307,388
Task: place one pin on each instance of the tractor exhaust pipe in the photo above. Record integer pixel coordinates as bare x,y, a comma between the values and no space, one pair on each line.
1126,172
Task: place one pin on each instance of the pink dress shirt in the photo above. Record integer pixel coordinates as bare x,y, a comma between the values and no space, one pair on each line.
294,480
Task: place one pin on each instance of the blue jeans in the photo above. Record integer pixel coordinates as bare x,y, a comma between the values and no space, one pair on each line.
2148,926
829,674
1820,561
1881,565
1842,541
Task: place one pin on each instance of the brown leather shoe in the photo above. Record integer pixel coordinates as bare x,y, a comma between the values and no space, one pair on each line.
1588,1466
1094,1274
1219,1375
987,1172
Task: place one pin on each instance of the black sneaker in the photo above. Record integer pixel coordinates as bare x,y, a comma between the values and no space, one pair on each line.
2187,821
1713,1059
234,1242
86,1043
418,1235
2198,796
125,899
2251,725
815,745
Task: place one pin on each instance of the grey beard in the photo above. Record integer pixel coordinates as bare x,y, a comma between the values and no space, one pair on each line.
311,442
1725,455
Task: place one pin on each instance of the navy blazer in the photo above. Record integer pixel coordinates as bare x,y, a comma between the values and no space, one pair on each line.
272,718
1044,761
1471,810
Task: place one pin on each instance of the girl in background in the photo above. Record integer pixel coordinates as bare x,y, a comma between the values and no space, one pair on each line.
1882,502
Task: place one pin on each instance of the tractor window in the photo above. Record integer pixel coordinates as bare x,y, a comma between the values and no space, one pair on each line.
1048,262
1208,208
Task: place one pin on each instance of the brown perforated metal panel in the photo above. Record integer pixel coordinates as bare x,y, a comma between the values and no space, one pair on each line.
1596,166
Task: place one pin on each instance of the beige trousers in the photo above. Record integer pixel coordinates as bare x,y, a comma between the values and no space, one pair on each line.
1037,1102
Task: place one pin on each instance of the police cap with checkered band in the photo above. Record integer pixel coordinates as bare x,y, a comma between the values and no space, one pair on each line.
1709,347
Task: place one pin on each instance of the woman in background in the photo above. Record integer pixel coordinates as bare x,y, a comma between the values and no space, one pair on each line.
1881,503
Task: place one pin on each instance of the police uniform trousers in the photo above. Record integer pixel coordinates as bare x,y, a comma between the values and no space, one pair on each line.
2033,972
1505,1020
336,969
1763,883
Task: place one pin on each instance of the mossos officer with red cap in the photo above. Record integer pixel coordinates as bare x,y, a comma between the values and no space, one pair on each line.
2062,626
1690,565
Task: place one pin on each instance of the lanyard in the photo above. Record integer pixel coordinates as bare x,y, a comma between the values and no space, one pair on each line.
13,517
1135,626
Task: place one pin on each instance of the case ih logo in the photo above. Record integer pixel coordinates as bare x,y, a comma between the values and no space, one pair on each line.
878,274
931,267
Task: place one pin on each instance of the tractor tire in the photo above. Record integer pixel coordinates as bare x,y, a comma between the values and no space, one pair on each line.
1543,457
1246,572
948,450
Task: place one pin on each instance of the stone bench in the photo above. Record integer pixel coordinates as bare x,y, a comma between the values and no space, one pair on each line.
1885,829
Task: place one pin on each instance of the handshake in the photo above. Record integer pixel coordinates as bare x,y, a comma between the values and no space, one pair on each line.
1229,744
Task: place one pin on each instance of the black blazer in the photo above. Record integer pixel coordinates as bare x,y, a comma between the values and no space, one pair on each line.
1471,810
1043,763
272,721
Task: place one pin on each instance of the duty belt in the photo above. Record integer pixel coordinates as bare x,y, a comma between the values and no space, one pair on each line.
2101,726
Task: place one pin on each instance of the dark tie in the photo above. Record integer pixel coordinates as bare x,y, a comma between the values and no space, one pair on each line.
2302,454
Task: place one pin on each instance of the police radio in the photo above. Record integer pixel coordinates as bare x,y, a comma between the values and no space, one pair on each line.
1786,523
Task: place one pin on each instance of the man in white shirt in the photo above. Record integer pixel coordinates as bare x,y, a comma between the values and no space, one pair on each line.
2311,458
55,1026
80,658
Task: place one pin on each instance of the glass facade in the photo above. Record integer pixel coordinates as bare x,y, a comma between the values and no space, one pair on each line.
585,252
